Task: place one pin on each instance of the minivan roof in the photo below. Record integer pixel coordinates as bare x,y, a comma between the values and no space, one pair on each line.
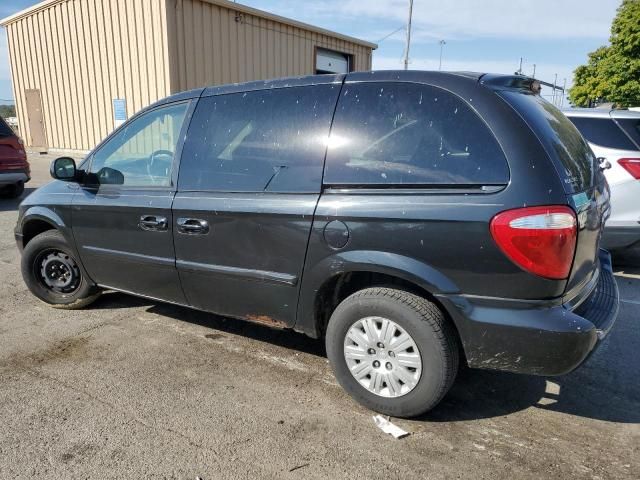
600,113
285,82
491,80
516,81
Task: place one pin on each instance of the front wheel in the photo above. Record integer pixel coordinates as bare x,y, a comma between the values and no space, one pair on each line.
53,275
393,351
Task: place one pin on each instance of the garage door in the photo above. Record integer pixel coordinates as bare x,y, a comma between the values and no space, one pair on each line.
328,61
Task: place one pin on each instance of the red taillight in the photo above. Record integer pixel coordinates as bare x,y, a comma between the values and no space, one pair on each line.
631,165
541,240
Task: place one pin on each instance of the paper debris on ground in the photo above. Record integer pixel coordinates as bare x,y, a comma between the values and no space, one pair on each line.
387,427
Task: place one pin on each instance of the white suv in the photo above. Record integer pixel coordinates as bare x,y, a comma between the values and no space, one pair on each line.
615,136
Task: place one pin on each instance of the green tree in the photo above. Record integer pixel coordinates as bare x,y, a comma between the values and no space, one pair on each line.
612,73
7,111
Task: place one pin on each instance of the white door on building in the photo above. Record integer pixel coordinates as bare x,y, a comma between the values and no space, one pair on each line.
329,61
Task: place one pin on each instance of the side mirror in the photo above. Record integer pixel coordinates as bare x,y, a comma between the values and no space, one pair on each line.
604,163
63,168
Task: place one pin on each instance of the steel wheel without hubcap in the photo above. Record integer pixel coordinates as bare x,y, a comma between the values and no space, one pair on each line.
382,357
58,272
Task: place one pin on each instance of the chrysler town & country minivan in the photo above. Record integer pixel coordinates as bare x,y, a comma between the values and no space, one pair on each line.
414,220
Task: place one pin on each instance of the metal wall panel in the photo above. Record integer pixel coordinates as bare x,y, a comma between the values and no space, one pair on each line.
216,42
83,54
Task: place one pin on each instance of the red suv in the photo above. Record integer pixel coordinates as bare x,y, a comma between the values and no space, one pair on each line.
14,168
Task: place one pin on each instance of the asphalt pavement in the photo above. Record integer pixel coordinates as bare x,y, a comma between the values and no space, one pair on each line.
130,388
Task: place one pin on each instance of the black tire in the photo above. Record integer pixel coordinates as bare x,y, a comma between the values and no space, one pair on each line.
12,191
82,291
424,322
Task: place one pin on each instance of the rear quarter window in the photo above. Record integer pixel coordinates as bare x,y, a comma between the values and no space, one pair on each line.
410,134
603,132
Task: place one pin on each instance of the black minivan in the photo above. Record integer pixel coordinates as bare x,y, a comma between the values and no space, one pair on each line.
412,219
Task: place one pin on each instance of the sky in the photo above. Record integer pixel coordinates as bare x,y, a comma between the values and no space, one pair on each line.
485,35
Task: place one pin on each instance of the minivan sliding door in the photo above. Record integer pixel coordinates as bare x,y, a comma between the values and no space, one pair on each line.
249,182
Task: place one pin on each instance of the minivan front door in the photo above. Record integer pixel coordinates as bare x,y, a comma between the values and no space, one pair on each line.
121,216
250,177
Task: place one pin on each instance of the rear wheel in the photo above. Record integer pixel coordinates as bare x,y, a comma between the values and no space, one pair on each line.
53,275
393,351
12,191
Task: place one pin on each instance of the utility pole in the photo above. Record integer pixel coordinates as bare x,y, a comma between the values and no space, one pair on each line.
564,91
406,50
520,69
555,82
534,71
442,44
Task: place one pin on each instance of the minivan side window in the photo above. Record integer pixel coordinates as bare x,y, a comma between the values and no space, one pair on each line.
405,133
141,154
267,140
603,132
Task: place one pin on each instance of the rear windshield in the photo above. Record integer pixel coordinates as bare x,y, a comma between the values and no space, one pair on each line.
632,128
5,130
570,153
603,132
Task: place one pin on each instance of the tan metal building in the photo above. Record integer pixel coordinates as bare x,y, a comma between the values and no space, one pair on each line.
79,67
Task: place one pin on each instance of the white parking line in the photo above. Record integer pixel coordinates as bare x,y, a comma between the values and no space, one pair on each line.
635,302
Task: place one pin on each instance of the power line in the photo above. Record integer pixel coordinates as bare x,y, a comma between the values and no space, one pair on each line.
392,33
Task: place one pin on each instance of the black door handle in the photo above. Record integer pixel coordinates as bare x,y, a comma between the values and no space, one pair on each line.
193,226
153,223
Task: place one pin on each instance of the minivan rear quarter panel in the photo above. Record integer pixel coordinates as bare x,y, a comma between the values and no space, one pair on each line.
587,191
445,230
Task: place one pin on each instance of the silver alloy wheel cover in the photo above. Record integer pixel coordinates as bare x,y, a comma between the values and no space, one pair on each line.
371,346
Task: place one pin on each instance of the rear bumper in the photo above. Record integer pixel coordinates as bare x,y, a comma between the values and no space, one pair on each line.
11,177
535,338
620,237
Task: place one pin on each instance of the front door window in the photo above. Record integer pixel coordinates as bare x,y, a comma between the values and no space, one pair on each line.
141,154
